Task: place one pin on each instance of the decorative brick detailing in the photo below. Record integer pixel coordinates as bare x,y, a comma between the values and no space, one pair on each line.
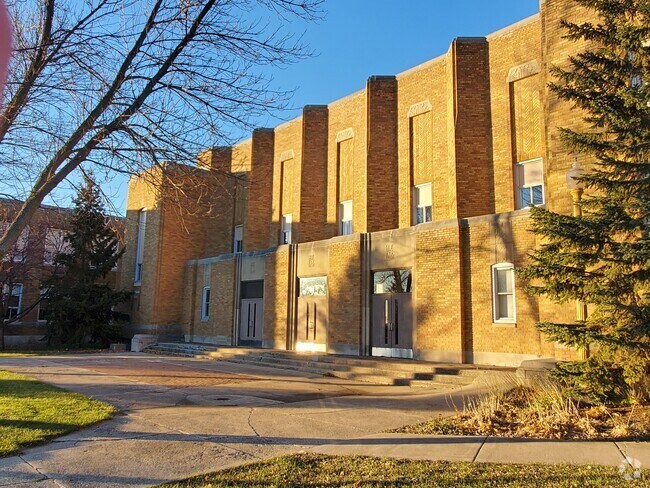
523,71
345,134
419,108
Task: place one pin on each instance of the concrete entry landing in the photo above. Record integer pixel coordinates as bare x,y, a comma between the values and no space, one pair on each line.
181,417
381,371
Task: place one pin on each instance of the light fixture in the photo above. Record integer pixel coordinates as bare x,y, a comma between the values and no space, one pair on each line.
573,176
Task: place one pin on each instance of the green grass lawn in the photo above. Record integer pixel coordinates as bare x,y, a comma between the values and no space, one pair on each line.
33,412
315,470
51,351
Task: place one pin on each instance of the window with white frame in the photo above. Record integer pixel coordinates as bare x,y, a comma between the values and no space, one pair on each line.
238,239
55,243
139,256
422,204
205,303
503,293
285,231
530,183
13,296
345,218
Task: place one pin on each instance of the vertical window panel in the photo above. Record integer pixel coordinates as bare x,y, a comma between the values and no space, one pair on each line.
346,169
139,258
503,293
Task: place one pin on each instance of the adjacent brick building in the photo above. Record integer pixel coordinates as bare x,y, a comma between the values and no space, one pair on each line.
28,265
389,222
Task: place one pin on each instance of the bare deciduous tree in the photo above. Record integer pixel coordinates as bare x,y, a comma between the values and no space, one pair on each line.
126,84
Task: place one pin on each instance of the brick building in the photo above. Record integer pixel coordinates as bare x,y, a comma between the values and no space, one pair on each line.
24,269
389,222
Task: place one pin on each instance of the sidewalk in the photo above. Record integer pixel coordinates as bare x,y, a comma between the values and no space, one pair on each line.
490,449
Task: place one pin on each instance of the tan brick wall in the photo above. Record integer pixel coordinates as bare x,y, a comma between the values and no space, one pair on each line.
558,113
427,83
143,194
437,296
182,228
276,281
508,50
287,164
344,283
347,113
260,199
190,297
500,239
221,282
241,167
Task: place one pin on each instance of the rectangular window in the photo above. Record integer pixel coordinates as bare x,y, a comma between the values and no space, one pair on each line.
422,204
530,183
252,289
13,300
238,240
285,231
42,306
345,218
142,224
205,303
313,287
55,243
392,281
18,252
503,293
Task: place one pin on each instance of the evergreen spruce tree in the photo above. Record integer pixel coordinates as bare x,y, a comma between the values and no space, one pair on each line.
79,302
603,257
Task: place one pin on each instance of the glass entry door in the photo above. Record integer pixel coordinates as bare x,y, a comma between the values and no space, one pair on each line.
392,314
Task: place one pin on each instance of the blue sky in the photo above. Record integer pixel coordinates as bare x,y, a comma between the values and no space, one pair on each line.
360,38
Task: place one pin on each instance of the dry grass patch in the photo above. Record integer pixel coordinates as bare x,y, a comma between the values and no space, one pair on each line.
540,411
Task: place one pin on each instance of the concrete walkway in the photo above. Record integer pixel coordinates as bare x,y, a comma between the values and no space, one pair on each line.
181,417
492,450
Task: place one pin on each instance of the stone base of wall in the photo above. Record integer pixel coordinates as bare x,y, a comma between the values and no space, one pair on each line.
454,357
204,339
499,358
344,349
25,341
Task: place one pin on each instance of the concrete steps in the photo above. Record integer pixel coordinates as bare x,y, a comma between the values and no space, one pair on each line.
381,371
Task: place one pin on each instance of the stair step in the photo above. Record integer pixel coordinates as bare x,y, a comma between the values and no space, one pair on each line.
416,374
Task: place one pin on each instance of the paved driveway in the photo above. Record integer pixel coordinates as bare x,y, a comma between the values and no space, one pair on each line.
180,417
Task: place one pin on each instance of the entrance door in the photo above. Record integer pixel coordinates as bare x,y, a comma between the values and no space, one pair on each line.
392,314
251,316
312,317
250,330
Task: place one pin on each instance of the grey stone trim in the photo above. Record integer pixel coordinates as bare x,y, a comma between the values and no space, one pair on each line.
286,155
345,134
344,349
523,71
419,108
439,356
